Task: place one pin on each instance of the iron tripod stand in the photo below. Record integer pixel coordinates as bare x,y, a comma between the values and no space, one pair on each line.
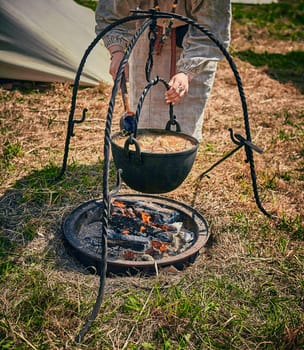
150,18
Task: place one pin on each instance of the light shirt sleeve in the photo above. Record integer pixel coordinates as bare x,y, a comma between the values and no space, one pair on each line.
110,11
198,49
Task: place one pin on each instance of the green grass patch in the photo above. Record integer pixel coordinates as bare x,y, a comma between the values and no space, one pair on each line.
209,313
283,67
7,247
91,4
293,226
283,20
44,186
36,297
9,152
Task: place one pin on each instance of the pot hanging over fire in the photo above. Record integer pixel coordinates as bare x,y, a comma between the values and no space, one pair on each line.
89,227
155,170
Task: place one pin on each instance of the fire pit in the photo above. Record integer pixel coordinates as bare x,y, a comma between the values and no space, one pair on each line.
144,231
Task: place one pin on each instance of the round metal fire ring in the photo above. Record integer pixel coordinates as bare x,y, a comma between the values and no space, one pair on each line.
82,229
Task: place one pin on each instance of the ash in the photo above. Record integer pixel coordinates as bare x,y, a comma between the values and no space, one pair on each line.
139,231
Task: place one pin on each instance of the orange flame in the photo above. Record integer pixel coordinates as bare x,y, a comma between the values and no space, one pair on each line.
142,229
163,247
156,244
119,204
146,218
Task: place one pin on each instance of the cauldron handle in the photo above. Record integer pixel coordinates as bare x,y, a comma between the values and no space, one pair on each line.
172,118
132,141
172,121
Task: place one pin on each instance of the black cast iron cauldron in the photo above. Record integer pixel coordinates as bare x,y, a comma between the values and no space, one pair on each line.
153,172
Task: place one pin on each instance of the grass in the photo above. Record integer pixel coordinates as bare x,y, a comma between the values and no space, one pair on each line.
287,67
88,3
244,291
234,310
284,23
283,20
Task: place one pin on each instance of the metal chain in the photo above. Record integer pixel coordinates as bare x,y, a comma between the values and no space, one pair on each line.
152,36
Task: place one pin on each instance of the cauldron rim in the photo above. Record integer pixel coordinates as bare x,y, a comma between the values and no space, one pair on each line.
193,140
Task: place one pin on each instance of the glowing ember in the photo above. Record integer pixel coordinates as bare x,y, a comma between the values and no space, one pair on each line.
146,218
145,232
173,234
119,204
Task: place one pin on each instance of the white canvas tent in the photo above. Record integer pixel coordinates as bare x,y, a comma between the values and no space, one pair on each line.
44,40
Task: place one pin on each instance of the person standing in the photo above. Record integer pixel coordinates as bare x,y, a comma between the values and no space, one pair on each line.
192,75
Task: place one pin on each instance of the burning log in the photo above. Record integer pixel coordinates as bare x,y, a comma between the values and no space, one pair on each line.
147,228
168,233
128,241
158,213
141,231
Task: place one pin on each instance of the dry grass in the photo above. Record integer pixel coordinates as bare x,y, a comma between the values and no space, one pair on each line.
245,291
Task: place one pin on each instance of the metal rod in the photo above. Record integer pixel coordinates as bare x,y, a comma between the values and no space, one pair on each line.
219,162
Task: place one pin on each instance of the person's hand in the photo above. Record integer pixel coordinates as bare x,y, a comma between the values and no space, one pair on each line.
117,54
179,86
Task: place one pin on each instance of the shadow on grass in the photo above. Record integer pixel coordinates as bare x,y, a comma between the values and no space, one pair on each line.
25,86
33,210
286,68
35,207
